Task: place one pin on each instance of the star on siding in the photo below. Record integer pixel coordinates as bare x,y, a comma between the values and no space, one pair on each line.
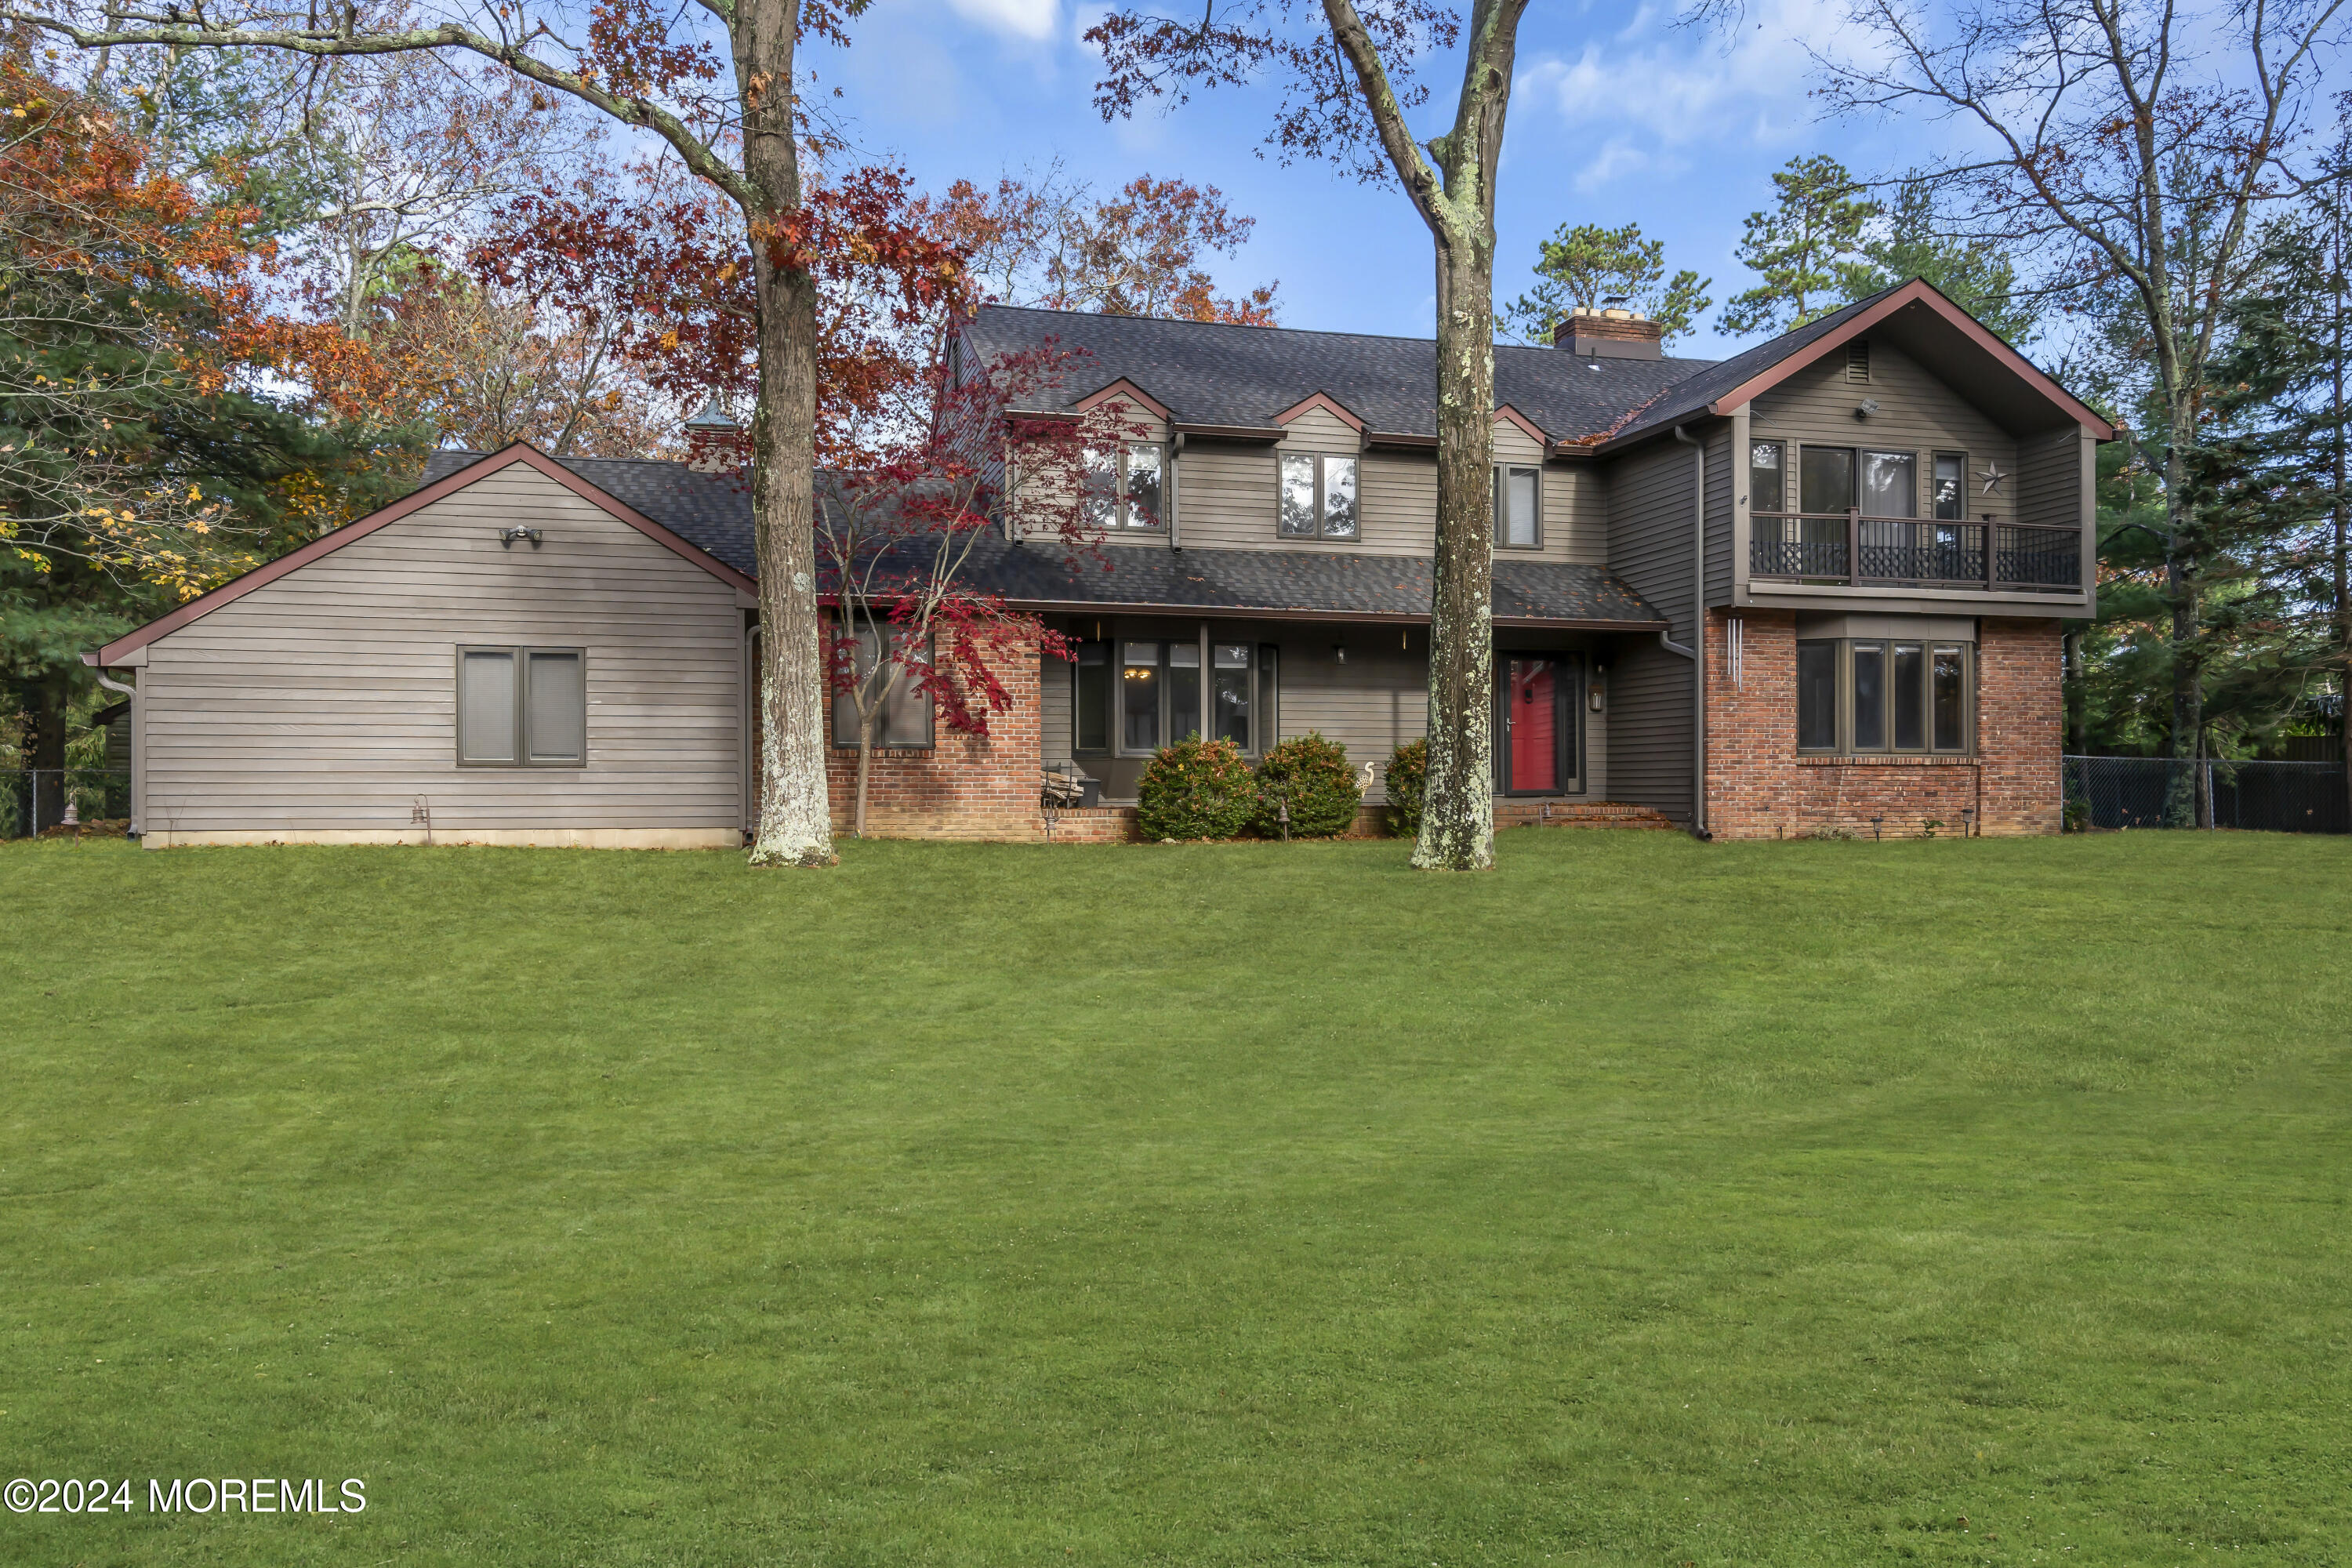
1991,476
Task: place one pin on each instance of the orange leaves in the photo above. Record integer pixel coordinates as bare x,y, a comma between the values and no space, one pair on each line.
629,51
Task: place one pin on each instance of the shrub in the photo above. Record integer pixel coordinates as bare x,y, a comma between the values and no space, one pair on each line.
1195,789
1311,774
1407,779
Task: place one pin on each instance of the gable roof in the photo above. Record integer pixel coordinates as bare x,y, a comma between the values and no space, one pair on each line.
1215,378
452,476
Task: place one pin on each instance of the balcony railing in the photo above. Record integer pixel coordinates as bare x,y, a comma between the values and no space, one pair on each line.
1844,548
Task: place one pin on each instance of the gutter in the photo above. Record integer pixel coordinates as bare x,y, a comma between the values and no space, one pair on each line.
1698,634
136,736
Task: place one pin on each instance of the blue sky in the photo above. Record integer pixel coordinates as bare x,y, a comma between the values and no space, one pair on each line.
1617,116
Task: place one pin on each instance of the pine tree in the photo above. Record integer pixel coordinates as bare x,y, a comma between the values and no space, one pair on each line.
1807,249
1584,265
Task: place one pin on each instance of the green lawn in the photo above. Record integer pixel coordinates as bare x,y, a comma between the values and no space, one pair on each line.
1643,1202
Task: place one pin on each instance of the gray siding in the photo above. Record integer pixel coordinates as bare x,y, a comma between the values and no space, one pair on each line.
2050,479
325,702
1650,502
1916,413
1374,703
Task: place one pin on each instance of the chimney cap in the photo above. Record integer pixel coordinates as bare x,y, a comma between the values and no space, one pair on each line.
712,418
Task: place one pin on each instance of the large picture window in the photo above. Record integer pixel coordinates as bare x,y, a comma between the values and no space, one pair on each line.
906,717
522,707
1868,695
1136,695
1317,497
1126,489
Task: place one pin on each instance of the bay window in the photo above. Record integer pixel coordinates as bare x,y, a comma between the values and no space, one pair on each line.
1884,695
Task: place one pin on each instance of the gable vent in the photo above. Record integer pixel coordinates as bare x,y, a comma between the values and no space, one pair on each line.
1857,359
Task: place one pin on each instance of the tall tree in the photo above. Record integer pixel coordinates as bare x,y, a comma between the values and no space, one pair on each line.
1349,90
717,85
1910,238
1584,266
1808,248
2126,149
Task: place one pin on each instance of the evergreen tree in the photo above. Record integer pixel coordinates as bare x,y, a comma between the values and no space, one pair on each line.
1584,265
1808,249
1909,240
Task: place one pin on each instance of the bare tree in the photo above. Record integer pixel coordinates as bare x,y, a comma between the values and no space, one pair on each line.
2126,147
715,82
1349,74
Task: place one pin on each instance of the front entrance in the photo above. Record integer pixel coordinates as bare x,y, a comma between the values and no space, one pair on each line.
1537,750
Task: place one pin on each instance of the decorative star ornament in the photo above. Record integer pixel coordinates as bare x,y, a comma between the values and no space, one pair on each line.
1991,476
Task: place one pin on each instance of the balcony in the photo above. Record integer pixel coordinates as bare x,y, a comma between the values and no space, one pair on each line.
1845,549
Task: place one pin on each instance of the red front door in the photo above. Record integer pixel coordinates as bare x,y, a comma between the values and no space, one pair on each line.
1531,707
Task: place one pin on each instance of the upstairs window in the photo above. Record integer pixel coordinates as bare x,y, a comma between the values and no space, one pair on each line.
1316,498
1518,508
1126,489
522,707
1766,471
1951,486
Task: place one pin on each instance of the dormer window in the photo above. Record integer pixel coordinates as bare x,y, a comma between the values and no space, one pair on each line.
1126,489
1318,499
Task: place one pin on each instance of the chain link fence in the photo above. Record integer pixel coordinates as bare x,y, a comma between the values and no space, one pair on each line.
34,800
2265,797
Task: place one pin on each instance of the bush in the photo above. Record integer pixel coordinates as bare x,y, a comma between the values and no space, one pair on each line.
1407,779
1311,774
1195,789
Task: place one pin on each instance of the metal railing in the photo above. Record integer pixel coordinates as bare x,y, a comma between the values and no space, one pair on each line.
2161,791
1826,546
34,800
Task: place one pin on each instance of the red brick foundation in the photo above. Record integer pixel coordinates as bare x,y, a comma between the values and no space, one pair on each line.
1759,787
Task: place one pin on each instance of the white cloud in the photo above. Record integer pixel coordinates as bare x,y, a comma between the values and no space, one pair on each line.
1035,20
1656,87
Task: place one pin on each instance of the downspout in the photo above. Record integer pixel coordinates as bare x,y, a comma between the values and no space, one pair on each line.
1697,653
137,770
1175,489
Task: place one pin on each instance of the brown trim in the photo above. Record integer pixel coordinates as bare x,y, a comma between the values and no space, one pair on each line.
1512,415
1102,608
1326,401
1229,432
1916,292
1398,438
520,452
1122,387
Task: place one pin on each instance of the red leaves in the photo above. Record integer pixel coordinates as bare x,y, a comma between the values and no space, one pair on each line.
629,51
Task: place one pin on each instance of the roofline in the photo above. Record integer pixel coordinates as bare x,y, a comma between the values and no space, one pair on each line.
522,452
1121,387
1326,401
1260,612
1918,291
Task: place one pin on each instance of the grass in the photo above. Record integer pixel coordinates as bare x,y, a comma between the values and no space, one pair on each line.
1643,1202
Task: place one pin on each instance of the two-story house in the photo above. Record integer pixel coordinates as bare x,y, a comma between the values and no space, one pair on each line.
1815,585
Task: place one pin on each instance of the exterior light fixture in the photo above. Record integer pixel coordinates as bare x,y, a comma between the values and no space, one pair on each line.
507,537
1865,408
1339,652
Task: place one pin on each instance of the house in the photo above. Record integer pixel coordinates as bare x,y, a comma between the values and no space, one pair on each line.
1869,530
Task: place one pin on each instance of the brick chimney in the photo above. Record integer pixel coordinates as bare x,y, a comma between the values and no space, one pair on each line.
1611,333
714,443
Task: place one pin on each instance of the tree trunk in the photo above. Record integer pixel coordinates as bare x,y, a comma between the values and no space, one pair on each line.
2340,502
2188,679
796,825
1457,819
864,763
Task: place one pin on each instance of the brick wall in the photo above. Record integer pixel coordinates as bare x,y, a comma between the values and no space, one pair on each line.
1759,787
961,786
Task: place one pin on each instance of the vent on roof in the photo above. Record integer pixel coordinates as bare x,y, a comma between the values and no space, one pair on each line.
1857,359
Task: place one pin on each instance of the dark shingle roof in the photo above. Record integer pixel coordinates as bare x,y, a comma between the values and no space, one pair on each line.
1208,372
713,513
1694,392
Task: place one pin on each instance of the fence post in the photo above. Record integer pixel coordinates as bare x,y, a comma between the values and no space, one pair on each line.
1853,545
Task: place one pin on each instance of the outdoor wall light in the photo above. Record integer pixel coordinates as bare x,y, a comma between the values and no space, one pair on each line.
1865,408
507,537
1339,652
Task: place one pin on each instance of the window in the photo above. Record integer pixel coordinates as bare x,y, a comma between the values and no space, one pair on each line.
1536,695
1951,486
1890,484
1159,691
906,716
1518,512
1825,478
1126,489
1317,497
1766,490
1876,695
522,707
